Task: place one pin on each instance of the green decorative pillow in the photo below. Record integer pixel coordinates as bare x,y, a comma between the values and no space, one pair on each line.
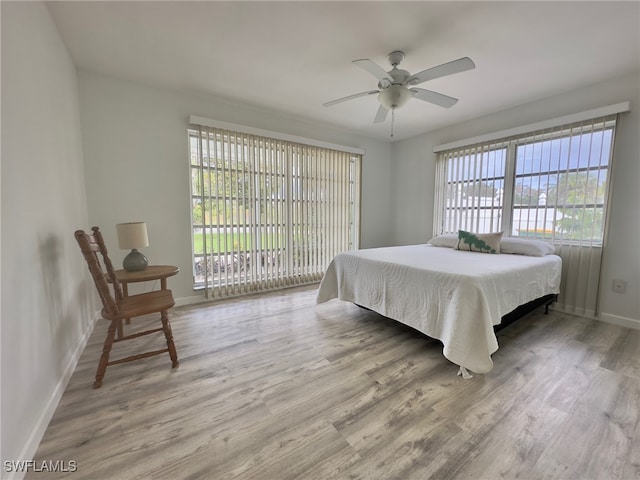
479,242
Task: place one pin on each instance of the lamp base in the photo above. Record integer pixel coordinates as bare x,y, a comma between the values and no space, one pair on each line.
135,261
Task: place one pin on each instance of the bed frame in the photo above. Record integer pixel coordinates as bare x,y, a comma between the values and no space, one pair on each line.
523,310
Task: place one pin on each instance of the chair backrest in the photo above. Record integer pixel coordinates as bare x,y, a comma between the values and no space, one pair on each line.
90,245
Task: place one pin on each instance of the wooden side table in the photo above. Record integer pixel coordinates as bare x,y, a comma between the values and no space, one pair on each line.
152,272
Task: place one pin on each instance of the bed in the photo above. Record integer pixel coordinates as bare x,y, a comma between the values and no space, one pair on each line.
455,296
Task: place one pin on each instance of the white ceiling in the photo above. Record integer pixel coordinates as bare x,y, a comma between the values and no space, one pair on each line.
294,56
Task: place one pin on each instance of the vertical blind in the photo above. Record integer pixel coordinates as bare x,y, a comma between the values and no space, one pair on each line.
550,184
268,213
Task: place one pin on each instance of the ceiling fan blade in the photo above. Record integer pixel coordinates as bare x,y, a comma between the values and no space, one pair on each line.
349,97
381,115
374,69
456,66
434,97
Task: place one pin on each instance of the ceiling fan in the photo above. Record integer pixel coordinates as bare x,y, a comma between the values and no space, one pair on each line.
397,86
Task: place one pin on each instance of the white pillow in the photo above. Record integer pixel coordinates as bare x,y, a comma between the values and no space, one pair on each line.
449,240
526,246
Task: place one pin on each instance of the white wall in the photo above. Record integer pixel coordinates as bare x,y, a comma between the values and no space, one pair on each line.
413,182
47,300
136,164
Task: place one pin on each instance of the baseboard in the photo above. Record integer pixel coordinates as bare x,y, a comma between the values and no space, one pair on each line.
579,312
35,437
621,321
182,301
602,317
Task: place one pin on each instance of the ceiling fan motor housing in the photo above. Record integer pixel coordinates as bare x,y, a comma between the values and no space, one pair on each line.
399,78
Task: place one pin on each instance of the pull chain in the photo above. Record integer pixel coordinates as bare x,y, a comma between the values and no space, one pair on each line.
393,116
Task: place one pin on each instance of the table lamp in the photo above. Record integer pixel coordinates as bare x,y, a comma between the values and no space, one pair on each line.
133,235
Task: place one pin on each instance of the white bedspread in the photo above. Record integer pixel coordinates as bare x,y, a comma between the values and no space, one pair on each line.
452,295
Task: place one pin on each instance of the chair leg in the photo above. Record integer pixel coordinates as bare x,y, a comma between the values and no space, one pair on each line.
106,350
120,329
166,327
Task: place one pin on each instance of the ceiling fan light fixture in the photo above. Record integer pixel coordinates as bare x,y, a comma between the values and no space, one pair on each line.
394,96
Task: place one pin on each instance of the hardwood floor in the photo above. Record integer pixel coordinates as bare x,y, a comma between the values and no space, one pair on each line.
276,387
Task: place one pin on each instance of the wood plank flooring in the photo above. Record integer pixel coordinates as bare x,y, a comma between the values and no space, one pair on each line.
276,387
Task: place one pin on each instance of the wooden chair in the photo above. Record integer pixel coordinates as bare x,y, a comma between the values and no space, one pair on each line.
121,307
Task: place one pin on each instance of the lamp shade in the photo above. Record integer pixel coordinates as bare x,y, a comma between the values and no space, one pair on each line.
132,235
394,96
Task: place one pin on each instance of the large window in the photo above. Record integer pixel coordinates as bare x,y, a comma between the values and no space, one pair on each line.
266,212
548,184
